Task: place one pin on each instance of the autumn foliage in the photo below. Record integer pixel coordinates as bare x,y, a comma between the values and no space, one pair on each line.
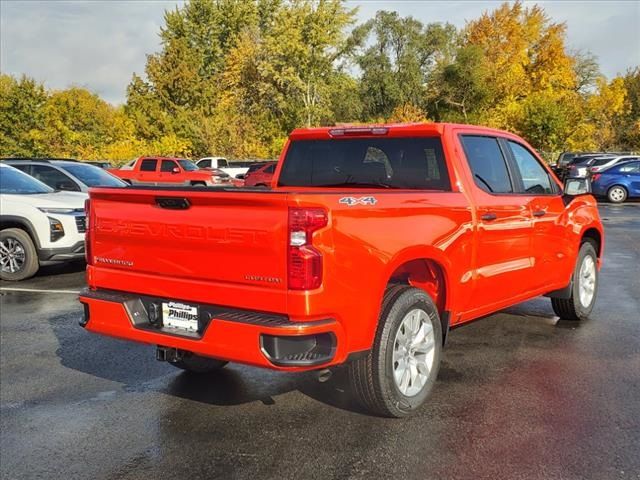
234,77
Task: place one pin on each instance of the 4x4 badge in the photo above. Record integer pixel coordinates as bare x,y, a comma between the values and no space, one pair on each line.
351,201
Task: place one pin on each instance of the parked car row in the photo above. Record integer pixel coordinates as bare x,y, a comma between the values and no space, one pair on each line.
574,163
612,176
618,182
38,225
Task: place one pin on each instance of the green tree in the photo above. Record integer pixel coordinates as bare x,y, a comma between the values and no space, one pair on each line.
460,90
398,60
21,116
300,56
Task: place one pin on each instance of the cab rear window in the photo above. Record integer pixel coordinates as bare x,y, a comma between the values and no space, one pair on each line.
406,163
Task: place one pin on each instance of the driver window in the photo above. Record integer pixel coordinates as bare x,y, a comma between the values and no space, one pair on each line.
168,166
535,178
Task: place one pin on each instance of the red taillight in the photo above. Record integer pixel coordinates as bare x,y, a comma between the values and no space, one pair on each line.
88,229
304,261
595,177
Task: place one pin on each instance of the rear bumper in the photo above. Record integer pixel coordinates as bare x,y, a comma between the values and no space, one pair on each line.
253,338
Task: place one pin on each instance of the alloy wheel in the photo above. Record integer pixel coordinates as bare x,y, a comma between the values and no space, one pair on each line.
587,281
413,352
12,255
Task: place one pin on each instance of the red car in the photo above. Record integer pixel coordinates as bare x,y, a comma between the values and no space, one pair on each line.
158,171
260,176
372,243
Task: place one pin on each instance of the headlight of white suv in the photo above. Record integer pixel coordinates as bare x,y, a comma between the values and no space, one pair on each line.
57,210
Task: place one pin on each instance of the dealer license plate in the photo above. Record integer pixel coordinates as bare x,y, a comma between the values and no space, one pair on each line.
180,316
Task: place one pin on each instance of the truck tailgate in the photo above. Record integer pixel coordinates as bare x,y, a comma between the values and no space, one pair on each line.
204,243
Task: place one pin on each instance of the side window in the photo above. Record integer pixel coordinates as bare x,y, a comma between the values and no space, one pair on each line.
148,165
25,168
270,169
534,177
222,163
168,166
630,168
487,164
204,164
54,178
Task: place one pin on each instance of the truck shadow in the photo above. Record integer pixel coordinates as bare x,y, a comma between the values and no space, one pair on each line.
496,341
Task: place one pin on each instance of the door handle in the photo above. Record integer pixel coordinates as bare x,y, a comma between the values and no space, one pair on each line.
539,213
489,217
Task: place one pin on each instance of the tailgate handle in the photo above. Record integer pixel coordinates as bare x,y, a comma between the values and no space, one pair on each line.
173,203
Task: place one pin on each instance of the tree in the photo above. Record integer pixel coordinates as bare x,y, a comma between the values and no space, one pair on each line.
78,123
460,90
301,52
627,125
21,116
398,61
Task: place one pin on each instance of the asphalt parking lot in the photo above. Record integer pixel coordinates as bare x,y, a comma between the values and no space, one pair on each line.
520,395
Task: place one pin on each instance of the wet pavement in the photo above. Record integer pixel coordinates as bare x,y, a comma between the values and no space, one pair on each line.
520,395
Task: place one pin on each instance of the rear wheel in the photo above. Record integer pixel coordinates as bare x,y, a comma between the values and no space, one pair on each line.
399,372
197,364
198,184
617,194
584,289
18,255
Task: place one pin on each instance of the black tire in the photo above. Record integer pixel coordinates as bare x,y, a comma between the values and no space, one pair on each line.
572,308
372,377
197,364
617,194
198,184
30,264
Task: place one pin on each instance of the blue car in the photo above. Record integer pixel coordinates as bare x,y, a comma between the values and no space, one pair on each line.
619,182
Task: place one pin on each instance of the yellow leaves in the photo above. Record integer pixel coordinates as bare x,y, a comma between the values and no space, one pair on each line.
524,51
407,113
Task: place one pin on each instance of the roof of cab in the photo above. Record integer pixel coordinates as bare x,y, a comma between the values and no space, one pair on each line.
390,130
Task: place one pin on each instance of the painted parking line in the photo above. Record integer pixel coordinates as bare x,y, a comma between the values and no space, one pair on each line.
37,290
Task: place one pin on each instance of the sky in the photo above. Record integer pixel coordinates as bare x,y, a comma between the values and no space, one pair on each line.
99,44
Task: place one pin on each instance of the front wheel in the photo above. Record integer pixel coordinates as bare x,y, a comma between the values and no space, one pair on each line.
18,255
399,372
584,289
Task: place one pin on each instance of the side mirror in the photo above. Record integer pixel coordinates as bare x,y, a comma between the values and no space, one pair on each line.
577,186
175,170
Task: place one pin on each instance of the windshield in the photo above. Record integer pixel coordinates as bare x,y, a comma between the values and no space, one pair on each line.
188,165
16,182
413,163
93,176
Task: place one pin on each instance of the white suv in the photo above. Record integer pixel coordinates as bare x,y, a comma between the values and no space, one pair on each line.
38,225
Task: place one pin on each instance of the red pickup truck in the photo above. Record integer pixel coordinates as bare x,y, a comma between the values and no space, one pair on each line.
155,171
371,244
